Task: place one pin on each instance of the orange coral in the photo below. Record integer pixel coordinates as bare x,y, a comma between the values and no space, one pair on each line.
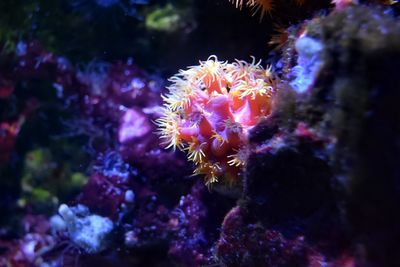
266,6
280,38
209,110
262,6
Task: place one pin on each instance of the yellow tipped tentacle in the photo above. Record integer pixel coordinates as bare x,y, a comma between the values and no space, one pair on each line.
195,152
261,6
253,89
238,3
239,158
168,126
221,140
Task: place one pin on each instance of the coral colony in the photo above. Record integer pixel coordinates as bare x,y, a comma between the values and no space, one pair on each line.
289,158
209,111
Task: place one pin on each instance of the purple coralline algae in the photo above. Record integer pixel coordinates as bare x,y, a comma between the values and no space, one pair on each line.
189,245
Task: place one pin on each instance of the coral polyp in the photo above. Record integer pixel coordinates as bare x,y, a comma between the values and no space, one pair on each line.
262,6
209,110
259,6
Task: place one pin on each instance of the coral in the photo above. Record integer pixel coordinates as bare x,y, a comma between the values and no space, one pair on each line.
279,38
87,231
209,110
262,6
308,173
273,7
314,153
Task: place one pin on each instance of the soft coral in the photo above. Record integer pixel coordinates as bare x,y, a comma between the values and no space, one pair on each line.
209,111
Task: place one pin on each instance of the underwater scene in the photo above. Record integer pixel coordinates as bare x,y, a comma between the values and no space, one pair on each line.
199,133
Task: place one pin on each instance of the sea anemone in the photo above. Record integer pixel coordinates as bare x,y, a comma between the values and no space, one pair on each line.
209,110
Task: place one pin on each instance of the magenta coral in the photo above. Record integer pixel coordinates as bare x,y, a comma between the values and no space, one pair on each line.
209,110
